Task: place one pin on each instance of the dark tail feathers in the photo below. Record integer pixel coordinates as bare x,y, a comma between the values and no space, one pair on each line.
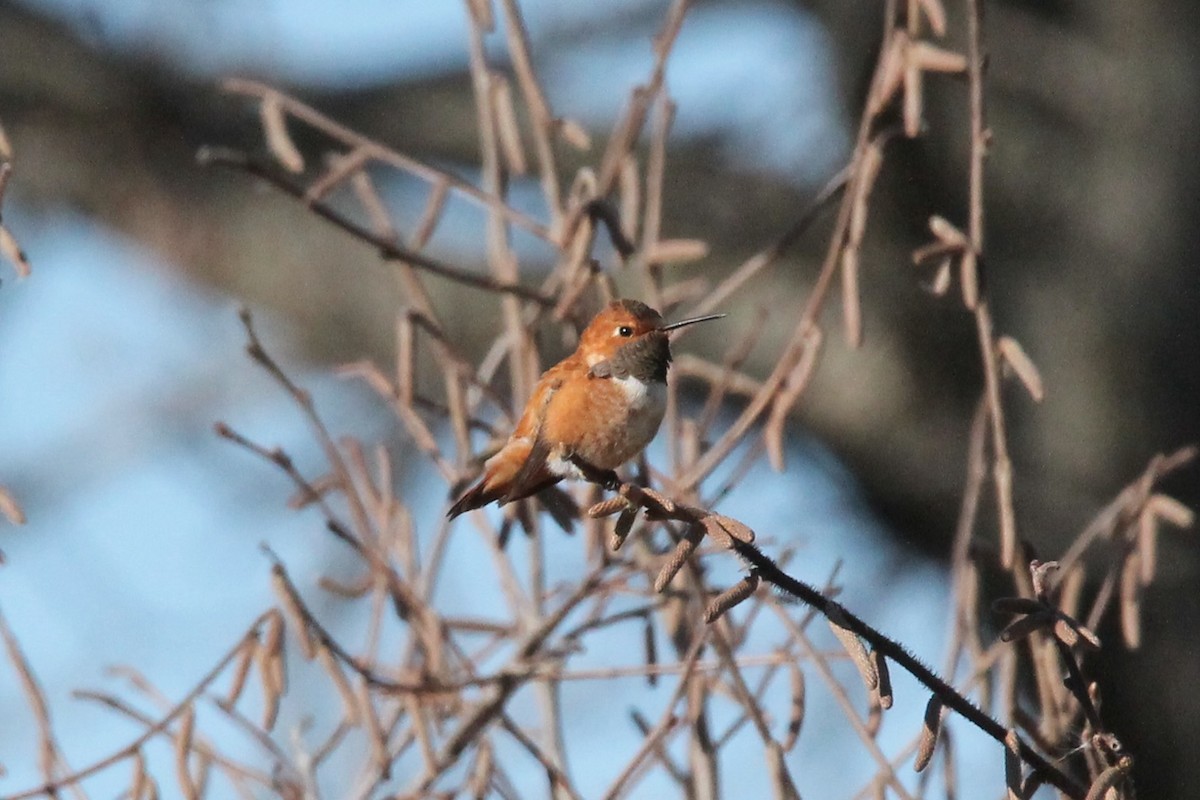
476,497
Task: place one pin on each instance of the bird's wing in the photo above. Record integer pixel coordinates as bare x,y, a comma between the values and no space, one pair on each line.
530,424
519,468
533,476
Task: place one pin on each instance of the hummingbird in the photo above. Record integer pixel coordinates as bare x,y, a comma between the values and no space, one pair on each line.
598,407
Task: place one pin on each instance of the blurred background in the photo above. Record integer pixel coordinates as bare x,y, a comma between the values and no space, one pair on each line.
123,348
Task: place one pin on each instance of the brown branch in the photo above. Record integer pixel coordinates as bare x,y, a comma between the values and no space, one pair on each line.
202,748
972,273
666,723
896,652
128,751
49,755
771,254
374,150
603,211
508,680
388,248
721,528
542,119
559,781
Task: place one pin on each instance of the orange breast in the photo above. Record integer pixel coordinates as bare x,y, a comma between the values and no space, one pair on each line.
606,421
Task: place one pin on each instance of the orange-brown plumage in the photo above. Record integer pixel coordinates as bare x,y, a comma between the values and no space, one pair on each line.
600,405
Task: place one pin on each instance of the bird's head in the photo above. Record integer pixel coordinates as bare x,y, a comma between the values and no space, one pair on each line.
629,337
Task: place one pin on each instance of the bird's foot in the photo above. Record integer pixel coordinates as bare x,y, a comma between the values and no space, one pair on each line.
606,478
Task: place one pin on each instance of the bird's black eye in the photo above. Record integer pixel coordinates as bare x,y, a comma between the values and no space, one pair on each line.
625,330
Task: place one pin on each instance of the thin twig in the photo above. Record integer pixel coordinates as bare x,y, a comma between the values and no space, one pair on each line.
51,787
388,249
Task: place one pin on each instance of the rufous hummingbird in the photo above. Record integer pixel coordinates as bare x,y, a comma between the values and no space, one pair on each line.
598,407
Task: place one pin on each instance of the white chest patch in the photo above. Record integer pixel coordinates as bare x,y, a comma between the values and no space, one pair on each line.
644,395
647,404
563,468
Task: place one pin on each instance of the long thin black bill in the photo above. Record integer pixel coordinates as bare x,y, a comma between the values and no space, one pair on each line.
691,321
